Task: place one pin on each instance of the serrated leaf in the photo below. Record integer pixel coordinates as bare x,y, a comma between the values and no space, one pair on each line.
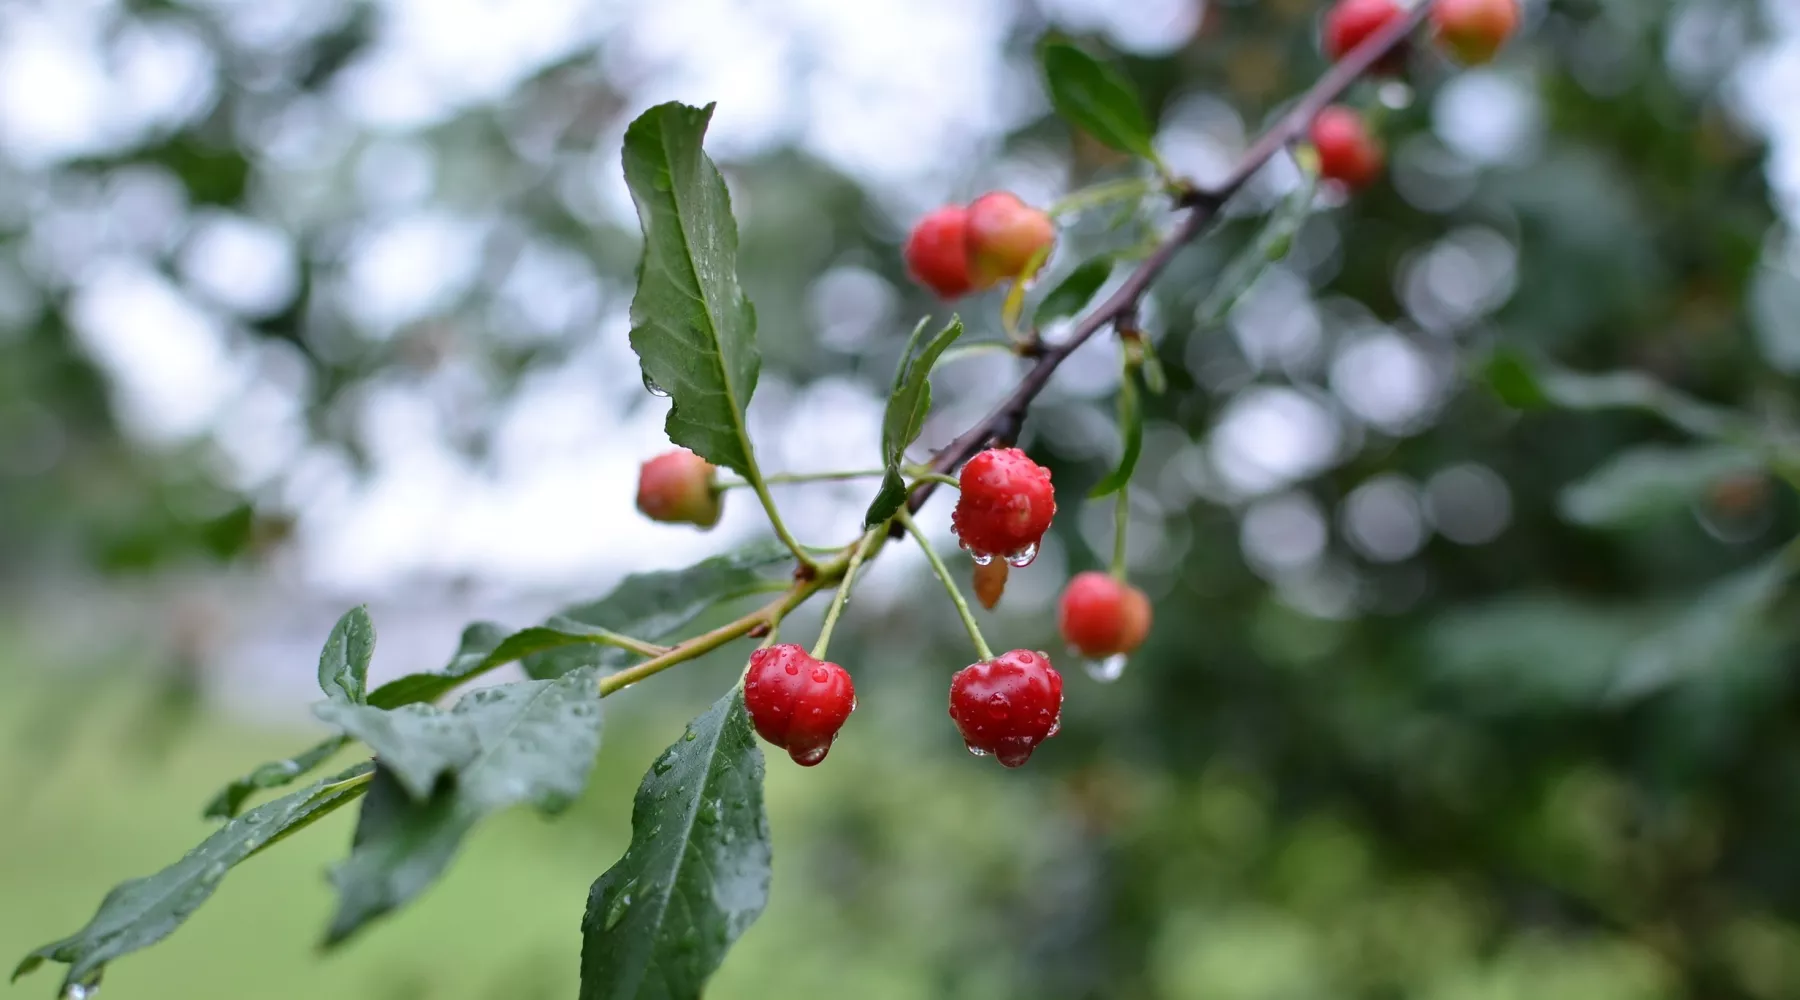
141,912
344,663
478,643
654,606
274,774
441,772
1271,244
1644,483
1073,292
907,406
1131,425
1096,98
696,875
692,327
1706,633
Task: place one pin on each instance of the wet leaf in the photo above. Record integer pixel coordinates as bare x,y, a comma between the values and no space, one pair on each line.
274,774
1645,483
1131,425
1096,98
1074,292
908,404
344,663
1271,244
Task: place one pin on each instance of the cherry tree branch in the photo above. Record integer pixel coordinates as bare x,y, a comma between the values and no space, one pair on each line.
1003,423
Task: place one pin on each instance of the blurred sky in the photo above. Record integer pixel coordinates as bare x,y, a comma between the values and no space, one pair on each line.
896,93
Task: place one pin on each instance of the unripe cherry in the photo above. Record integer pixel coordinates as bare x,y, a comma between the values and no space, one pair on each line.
1005,506
679,487
1348,154
1101,616
797,702
1474,30
1004,234
1350,22
1008,705
937,252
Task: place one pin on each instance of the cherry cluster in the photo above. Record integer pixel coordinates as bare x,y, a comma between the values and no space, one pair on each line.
1472,31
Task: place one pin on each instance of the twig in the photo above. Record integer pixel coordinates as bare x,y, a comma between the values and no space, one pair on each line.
1202,209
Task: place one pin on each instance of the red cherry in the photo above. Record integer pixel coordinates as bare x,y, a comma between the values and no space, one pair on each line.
1005,506
1004,234
797,702
1352,21
1348,154
1474,30
937,253
1006,706
679,487
1101,616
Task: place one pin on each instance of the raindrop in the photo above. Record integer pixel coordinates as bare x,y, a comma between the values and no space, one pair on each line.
981,558
690,736
852,703
793,668
998,707
710,811
1024,557
1026,660
818,711
664,763
80,991
652,387
820,675
807,758
1108,670
1055,727
1395,95
615,910
977,751
1015,756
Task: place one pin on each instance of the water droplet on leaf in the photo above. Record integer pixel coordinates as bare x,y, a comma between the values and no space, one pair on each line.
690,736
710,810
651,386
619,905
664,763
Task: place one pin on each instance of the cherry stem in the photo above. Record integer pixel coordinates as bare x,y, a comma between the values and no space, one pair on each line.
1202,210
943,574
1121,524
783,478
1101,194
868,543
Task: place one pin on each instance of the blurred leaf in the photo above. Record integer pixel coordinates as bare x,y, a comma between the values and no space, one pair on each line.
1705,634
141,912
1529,648
1775,315
691,326
344,663
654,606
1511,377
478,641
1096,98
533,741
1074,292
907,406
1131,425
275,774
1271,244
1645,483
696,874
1527,384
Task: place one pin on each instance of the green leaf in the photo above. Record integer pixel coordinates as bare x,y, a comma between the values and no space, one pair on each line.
654,606
1096,98
697,872
1271,244
1131,424
1513,379
479,641
141,912
1705,635
1074,291
907,406
691,326
274,774
344,663
1645,483
441,772
1525,383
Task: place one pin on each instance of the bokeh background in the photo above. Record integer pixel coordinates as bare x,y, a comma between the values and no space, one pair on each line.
307,303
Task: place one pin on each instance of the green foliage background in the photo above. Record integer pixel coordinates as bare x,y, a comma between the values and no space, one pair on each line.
1562,764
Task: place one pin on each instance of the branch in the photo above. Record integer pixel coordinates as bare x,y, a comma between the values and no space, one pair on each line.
1003,423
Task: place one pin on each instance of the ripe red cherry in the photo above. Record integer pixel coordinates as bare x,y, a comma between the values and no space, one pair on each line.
1004,234
1474,30
1351,21
1005,506
937,252
679,487
1101,616
797,702
1006,706
1348,154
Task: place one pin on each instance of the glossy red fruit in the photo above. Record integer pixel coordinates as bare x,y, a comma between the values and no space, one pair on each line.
1349,22
1102,616
1005,506
1474,30
797,702
937,252
1004,235
1006,706
1348,154
679,487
